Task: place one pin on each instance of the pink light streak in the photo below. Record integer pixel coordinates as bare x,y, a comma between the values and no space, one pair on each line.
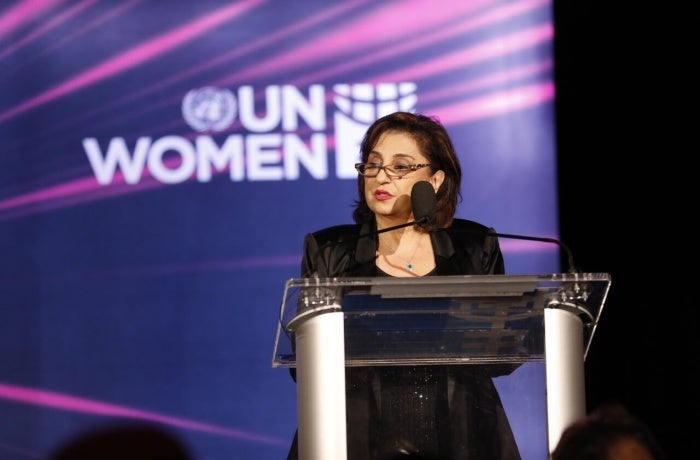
77,191
497,103
55,21
513,246
237,51
48,399
23,12
500,46
81,31
487,81
366,33
433,32
135,56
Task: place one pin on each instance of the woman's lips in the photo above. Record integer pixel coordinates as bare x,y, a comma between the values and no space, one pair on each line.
382,195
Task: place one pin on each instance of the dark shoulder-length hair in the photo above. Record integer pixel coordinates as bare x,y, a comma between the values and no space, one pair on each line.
435,143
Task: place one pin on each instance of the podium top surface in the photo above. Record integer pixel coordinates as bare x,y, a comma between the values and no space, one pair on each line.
440,318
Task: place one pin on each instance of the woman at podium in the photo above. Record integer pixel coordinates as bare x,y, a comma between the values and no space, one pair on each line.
406,230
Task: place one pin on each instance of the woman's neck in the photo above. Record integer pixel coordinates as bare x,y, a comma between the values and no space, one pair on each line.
390,241
405,252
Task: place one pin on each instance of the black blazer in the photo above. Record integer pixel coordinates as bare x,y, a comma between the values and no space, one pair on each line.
465,248
467,420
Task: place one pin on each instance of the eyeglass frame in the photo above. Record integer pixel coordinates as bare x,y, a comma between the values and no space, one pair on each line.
388,169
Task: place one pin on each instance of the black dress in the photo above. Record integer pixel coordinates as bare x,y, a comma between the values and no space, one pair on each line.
430,412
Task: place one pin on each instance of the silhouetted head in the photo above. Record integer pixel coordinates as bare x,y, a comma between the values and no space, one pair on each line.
127,442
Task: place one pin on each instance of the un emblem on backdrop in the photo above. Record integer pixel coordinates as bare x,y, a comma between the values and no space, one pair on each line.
209,109
357,106
365,102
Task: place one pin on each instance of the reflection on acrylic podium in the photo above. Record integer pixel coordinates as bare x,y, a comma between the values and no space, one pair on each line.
542,323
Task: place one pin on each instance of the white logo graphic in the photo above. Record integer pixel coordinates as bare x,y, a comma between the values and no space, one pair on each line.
357,107
285,141
209,109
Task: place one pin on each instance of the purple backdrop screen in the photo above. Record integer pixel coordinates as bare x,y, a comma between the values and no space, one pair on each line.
160,163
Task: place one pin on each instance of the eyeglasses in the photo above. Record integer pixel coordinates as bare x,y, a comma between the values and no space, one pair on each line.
396,170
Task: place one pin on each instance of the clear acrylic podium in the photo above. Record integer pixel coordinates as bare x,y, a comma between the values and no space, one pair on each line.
328,324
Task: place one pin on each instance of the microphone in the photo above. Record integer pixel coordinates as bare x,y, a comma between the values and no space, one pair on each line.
423,202
424,207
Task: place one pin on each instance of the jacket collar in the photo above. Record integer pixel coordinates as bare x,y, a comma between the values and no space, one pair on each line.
366,249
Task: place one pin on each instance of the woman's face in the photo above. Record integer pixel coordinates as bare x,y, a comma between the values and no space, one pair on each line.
390,197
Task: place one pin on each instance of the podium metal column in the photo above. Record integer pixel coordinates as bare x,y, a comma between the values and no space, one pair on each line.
566,396
320,349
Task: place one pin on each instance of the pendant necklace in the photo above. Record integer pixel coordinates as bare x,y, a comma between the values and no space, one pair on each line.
409,263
